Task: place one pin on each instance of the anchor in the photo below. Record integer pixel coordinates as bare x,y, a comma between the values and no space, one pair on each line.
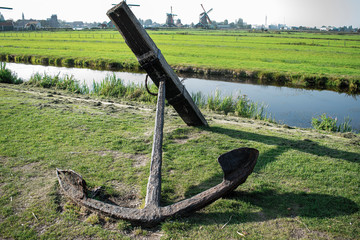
236,165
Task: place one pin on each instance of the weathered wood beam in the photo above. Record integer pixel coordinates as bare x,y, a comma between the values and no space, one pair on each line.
153,193
154,63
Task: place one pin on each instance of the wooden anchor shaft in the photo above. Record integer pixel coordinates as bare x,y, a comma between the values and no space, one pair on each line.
153,194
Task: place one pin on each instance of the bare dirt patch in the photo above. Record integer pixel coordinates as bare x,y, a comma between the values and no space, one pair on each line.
139,160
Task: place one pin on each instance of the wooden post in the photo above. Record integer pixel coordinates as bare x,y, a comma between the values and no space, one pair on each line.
153,194
154,63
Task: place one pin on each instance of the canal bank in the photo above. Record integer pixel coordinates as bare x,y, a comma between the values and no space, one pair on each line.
290,106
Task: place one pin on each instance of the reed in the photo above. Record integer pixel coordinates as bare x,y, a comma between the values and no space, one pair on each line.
64,83
115,87
330,124
240,106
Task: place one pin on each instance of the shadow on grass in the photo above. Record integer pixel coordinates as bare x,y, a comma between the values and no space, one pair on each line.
283,145
313,205
272,205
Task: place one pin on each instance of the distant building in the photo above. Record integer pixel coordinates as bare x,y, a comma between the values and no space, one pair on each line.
2,19
178,23
78,24
224,26
7,26
102,25
53,21
33,25
273,27
111,25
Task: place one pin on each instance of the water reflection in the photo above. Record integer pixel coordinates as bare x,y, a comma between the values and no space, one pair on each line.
294,107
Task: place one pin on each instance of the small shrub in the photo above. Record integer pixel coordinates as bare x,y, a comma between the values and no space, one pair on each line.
330,124
6,76
140,232
124,225
93,219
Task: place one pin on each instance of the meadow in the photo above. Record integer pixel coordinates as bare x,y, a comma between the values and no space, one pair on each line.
305,184
319,60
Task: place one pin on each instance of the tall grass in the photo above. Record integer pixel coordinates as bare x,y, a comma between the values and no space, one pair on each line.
241,106
327,123
112,86
7,76
115,87
64,83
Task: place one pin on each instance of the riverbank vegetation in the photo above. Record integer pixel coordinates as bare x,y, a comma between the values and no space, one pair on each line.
116,88
328,123
313,60
305,183
7,76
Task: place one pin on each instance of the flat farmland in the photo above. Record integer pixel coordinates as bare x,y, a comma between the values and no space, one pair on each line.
294,56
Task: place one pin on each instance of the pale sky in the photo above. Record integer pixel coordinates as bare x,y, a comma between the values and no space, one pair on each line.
291,12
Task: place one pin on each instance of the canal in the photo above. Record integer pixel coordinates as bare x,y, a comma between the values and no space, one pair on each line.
290,106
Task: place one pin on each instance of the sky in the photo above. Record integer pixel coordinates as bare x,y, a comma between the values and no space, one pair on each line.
291,12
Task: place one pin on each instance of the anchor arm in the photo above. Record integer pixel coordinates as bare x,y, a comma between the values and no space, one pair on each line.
236,164
74,187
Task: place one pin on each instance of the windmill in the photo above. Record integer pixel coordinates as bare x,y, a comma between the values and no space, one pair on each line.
170,19
204,19
6,8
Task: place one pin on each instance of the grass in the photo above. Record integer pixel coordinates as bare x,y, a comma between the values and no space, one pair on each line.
315,60
305,183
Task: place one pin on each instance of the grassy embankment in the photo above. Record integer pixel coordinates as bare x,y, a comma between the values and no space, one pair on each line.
115,87
305,184
294,59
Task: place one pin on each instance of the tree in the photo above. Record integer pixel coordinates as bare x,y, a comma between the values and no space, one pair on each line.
240,23
148,22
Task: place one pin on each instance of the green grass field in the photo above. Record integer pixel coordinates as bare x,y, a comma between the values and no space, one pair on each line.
305,184
302,59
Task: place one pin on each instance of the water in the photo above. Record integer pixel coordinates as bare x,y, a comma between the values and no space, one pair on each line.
294,107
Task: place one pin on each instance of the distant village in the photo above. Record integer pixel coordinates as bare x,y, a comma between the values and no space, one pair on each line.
53,23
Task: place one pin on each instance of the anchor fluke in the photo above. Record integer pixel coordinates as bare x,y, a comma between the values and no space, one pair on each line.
72,183
237,162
